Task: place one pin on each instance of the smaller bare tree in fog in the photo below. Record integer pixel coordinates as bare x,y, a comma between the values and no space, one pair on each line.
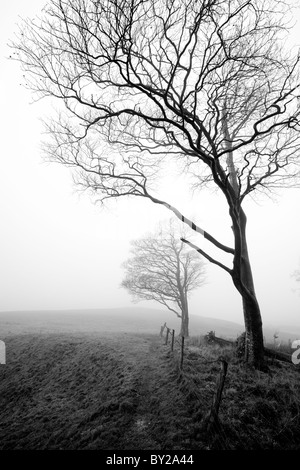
161,268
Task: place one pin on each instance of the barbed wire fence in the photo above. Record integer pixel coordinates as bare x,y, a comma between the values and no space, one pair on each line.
170,332
210,422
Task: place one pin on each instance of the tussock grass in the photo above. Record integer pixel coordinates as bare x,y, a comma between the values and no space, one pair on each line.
258,410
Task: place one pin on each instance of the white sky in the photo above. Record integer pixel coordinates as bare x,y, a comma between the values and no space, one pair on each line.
59,251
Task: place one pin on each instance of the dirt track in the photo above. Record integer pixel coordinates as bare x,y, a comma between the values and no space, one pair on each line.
161,419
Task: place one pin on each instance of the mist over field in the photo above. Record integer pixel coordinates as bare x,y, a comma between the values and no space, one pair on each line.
130,320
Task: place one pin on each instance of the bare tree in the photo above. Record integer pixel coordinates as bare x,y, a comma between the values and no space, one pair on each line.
162,269
204,84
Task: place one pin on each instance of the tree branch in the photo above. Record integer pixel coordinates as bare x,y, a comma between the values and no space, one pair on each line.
191,224
208,257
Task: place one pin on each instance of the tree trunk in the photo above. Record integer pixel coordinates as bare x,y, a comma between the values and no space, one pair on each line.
242,273
243,280
185,319
254,345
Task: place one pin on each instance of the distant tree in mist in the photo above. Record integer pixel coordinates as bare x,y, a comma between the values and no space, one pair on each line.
207,86
162,269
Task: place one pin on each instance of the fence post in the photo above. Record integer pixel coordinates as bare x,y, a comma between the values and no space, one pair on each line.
212,416
172,344
168,329
182,352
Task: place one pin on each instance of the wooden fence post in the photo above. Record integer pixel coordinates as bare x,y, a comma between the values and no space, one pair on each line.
182,352
172,344
167,336
212,416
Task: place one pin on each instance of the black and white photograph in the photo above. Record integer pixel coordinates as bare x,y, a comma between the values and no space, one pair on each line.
150,228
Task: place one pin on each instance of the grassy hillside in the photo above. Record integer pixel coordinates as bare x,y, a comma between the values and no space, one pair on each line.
90,392
124,391
130,320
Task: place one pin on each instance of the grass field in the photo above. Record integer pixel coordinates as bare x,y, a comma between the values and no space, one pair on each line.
118,391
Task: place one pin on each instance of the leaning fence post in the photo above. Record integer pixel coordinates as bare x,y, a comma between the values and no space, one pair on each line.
182,352
212,417
172,344
167,336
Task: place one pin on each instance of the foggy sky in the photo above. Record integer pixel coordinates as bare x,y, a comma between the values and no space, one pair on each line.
59,251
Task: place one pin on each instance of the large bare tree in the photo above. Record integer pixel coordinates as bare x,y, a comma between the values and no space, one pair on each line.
205,84
161,268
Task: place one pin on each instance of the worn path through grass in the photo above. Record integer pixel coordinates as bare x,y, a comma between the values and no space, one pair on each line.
161,419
